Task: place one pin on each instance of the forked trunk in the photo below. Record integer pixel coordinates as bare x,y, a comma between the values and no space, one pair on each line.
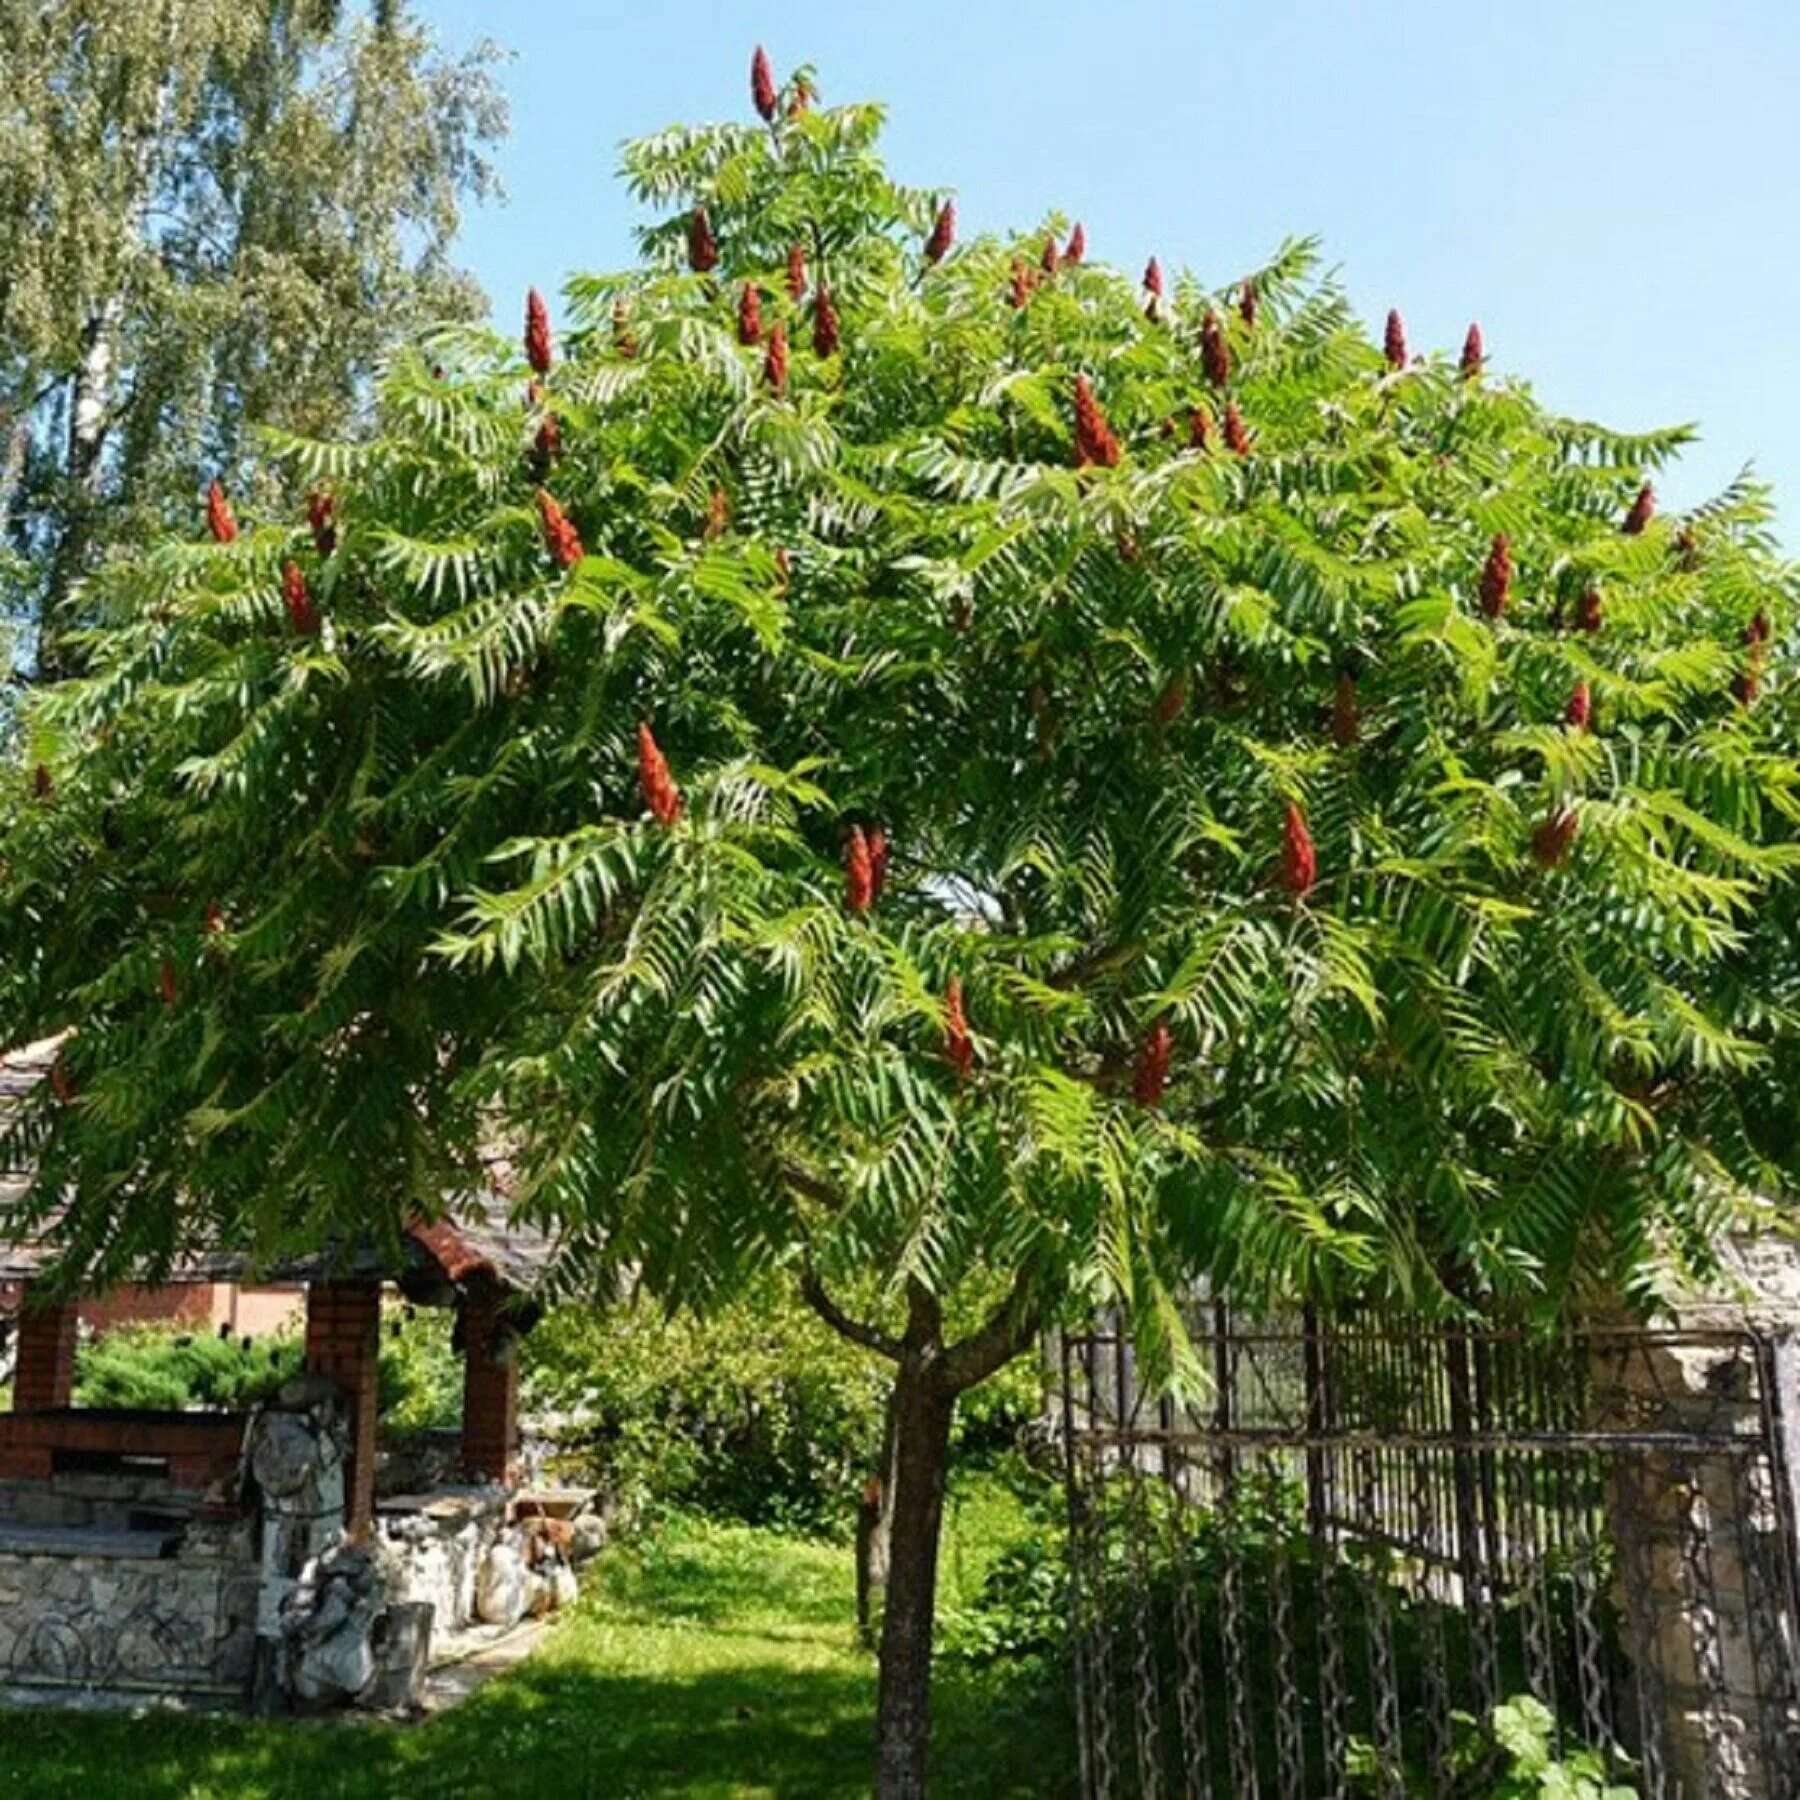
923,1405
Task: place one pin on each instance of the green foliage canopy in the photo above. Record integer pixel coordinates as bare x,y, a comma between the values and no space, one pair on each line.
1079,703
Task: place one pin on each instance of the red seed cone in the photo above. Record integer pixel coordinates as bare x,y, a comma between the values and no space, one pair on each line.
1171,701
749,319
800,97
1095,445
1248,303
660,793
784,567
775,358
62,1083
1587,611
1550,842
302,614
166,983
1346,719
1496,577
1393,343
1051,256
718,513
878,857
537,333
764,95
796,273
1474,353
546,446
1746,684
702,246
1076,249
1237,434
1153,278
959,1051
1215,353
1643,510
825,324
943,233
1757,631
41,784
1299,861
1023,285
221,521
321,519
1580,708
1151,1076
561,538
623,340
859,872
1200,428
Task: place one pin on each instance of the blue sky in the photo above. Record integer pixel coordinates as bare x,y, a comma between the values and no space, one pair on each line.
1613,189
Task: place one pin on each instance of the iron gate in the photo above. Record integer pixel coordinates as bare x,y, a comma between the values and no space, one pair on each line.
1327,1577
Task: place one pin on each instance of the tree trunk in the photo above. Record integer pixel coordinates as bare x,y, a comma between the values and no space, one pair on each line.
923,1405
874,1532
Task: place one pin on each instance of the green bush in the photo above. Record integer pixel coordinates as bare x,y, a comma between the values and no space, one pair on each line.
757,1412
176,1368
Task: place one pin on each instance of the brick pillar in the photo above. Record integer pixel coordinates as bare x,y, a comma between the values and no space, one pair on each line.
490,1425
343,1343
44,1373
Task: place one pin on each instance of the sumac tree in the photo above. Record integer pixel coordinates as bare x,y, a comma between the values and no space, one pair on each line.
996,796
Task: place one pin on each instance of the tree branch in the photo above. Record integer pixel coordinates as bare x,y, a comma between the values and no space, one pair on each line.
1008,1329
812,1290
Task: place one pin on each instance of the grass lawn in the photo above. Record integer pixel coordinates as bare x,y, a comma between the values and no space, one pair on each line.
707,1660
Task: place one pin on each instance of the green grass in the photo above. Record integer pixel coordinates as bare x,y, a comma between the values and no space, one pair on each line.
706,1660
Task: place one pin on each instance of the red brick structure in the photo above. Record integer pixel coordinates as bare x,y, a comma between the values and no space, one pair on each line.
490,1423
343,1343
44,1376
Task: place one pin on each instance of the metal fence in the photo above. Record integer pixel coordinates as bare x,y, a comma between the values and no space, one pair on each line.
1326,1578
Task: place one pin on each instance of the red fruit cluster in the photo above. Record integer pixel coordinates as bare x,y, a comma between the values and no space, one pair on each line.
1171,701
41,784
1496,577
702,246
1199,429
1022,286
1747,683
943,233
1393,343
718,513
1474,352
623,340
1550,842
1580,708
1051,256
825,324
661,794
1299,861
1248,303
959,1050
1215,353
1076,249
749,319
764,95
1095,444
859,871
302,614
166,983
321,519
1237,434
215,919
784,567
1587,610
1153,278
796,273
775,359
878,858
546,447
221,521
537,333
1346,718
1151,1076
1642,511
561,538
62,1083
